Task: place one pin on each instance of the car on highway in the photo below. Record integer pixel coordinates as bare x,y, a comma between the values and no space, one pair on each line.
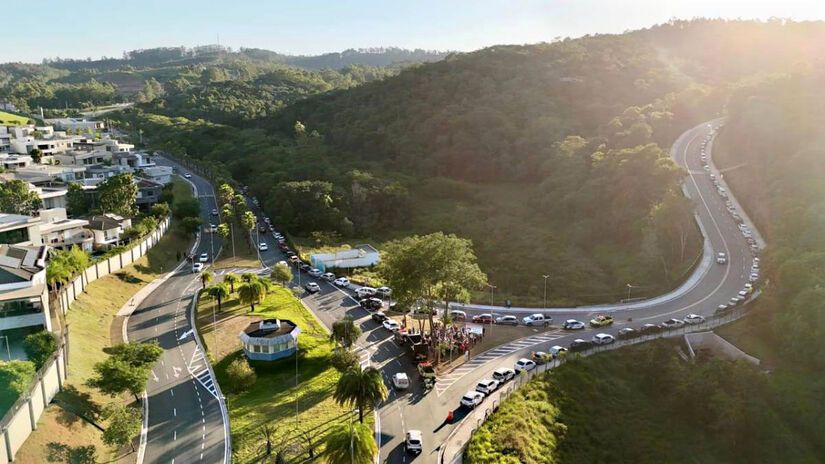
649,329
601,321
627,333
294,259
743,293
579,345
721,258
341,282
503,374
572,324
694,319
391,325
557,350
471,399
507,320
672,323
289,253
400,381
536,319
197,267
214,211
485,318
213,228
414,443
262,228
314,272
379,317
312,287
365,291
603,339
187,175
541,357
328,276
458,315
524,364
735,301
487,386
383,292
371,304
263,246
304,267
204,257
722,308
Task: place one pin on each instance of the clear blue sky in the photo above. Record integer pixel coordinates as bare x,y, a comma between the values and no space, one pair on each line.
100,27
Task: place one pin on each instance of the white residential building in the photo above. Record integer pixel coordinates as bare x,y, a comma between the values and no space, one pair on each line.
9,161
134,160
18,229
107,229
84,157
73,124
58,231
38,172
5,140
159,174
360,256
24,298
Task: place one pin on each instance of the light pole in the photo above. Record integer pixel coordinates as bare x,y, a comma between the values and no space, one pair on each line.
492,299
545,290
629,288
8,350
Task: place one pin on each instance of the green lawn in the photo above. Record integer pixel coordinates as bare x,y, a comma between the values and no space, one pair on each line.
10,119
272,400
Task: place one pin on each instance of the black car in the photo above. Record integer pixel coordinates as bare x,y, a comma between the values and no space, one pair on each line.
627,333
289,253
371,303
579,345
379,317
649,329
306,267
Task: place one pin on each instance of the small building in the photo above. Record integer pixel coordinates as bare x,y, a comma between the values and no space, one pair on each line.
360,256
159,174
24,298
148,193
75,124
107,228
269,339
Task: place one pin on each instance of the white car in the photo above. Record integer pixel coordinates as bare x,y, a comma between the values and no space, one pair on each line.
471,399
536,319
312,287
458,315
263,247
391,325
507,320
414,442
213,228
721,258
524,364
365,291
743,293
754,277
384,291
603,339
557,350
673,324
197,267
214,212
342,282
400,381
204,257
503,374
328,276
694,319
487,386
572,324
187,175
314,272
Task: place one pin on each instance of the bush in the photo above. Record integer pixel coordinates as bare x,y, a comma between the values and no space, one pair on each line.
39,346
240,376
343,359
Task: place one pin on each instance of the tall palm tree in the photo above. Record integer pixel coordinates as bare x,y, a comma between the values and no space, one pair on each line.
231,279
218,292
361,389
207,277
249,276
252,293
350,443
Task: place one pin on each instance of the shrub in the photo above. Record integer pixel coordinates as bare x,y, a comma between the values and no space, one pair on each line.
343,359
240,376
39,346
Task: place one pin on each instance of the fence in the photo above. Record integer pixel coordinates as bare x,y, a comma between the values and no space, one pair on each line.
452,451
21,419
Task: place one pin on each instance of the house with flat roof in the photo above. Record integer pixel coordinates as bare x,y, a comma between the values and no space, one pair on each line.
84,157
5,140
159,174
60,232
10,161
134,160
37,172
107,229
73,124
148,192
18,229
24,298
360,256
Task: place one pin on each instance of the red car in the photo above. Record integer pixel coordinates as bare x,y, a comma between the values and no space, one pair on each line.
483,318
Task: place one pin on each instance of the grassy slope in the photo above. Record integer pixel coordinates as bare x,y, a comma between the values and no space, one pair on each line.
272,399
90,321
10,119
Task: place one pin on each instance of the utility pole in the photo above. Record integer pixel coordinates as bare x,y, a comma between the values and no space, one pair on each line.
545,290
492,298
629,287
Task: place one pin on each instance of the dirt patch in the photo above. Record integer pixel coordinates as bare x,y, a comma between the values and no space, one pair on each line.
230,326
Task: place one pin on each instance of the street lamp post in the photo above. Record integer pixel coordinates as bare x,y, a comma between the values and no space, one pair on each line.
8,350
492,299
629,288
545,290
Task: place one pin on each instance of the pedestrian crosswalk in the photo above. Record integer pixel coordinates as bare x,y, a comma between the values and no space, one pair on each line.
198,369
446,381
237,270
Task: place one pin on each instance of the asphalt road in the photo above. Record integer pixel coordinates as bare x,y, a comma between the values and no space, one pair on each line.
185,421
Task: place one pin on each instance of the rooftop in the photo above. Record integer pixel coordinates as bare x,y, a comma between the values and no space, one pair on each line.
20,263
270,329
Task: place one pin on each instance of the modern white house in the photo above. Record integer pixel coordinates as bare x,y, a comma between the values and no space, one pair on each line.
5,140
38,172
24,298
84,157
15,161
58,231
107,228
73,124
134,160
159,174
18,229
360,256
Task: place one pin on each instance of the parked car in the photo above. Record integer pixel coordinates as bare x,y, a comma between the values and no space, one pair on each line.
379,317
458,315
213,228
305,267
572,324
721,308
400,381
262,228
601,321
672,324
579,345
414,442
649,329
603,339
204,257
507,320
721,257
391,325
263,247
214,212
487,386
627,333
524,364
328,276
312,287
503,374
294,259
371,304
314,272
383,292
557,351
735,301
541,357
754,277
197,267
485,318
471,399
365,291
187,175
341,282
694,319
537,319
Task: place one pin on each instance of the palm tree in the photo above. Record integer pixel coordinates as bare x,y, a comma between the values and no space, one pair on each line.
218,292
249,276
345,332
207,277
231,279
252,293
350,443
361,389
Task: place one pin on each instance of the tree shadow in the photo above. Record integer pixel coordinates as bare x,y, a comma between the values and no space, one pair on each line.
60,452
128,278
76,405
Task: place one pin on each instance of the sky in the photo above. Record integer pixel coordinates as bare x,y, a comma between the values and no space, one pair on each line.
96,28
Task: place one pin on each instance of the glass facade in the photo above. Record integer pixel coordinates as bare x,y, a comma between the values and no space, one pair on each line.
20,307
